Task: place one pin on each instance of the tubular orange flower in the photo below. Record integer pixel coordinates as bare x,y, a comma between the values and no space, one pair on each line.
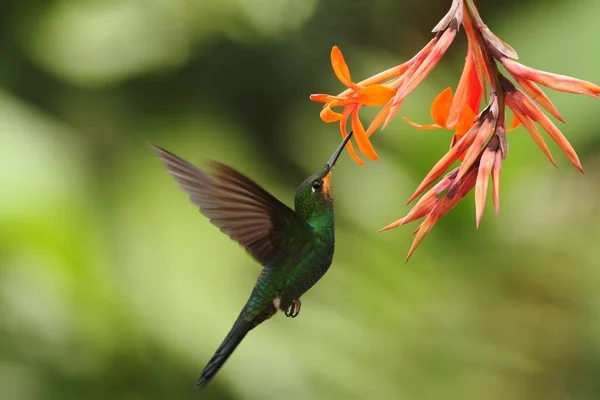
479,142
362,94
387,89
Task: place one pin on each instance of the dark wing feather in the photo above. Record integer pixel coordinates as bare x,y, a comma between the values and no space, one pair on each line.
240,208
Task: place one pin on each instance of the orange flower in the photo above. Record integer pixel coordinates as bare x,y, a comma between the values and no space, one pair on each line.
366,93
387,89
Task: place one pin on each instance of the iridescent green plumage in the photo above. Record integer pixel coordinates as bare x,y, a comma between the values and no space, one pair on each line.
295,247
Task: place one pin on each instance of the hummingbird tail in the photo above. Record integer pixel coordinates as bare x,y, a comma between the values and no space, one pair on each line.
239,330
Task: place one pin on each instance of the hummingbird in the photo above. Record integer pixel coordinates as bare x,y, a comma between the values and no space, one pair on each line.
295,247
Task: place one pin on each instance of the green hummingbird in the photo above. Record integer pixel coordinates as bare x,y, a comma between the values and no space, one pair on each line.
295,247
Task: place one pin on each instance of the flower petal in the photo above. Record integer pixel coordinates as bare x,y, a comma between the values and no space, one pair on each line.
340,68
396,71
375,95
466,121
323,98
364,145
328,115
440,108
349,146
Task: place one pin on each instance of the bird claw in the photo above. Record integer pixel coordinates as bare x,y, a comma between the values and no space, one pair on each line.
294,309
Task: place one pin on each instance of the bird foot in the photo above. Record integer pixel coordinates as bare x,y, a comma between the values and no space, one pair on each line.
294,309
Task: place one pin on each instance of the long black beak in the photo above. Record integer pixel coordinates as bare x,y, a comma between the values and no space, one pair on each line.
338,151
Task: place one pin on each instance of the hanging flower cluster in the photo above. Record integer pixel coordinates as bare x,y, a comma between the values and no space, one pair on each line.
479,141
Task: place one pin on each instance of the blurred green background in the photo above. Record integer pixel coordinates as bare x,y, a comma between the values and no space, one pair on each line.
113,286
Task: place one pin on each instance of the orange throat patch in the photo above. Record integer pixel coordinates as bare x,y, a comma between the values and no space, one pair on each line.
327,185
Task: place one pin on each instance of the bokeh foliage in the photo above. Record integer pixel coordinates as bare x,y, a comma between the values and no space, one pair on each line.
112,286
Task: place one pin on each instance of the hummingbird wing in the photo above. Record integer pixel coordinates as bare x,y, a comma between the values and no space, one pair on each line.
239,207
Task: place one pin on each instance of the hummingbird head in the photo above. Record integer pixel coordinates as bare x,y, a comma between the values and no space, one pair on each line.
314,201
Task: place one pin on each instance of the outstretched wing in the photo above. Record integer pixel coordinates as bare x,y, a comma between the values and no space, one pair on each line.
240,208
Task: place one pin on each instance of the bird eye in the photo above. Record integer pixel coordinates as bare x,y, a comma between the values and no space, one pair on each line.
317,185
